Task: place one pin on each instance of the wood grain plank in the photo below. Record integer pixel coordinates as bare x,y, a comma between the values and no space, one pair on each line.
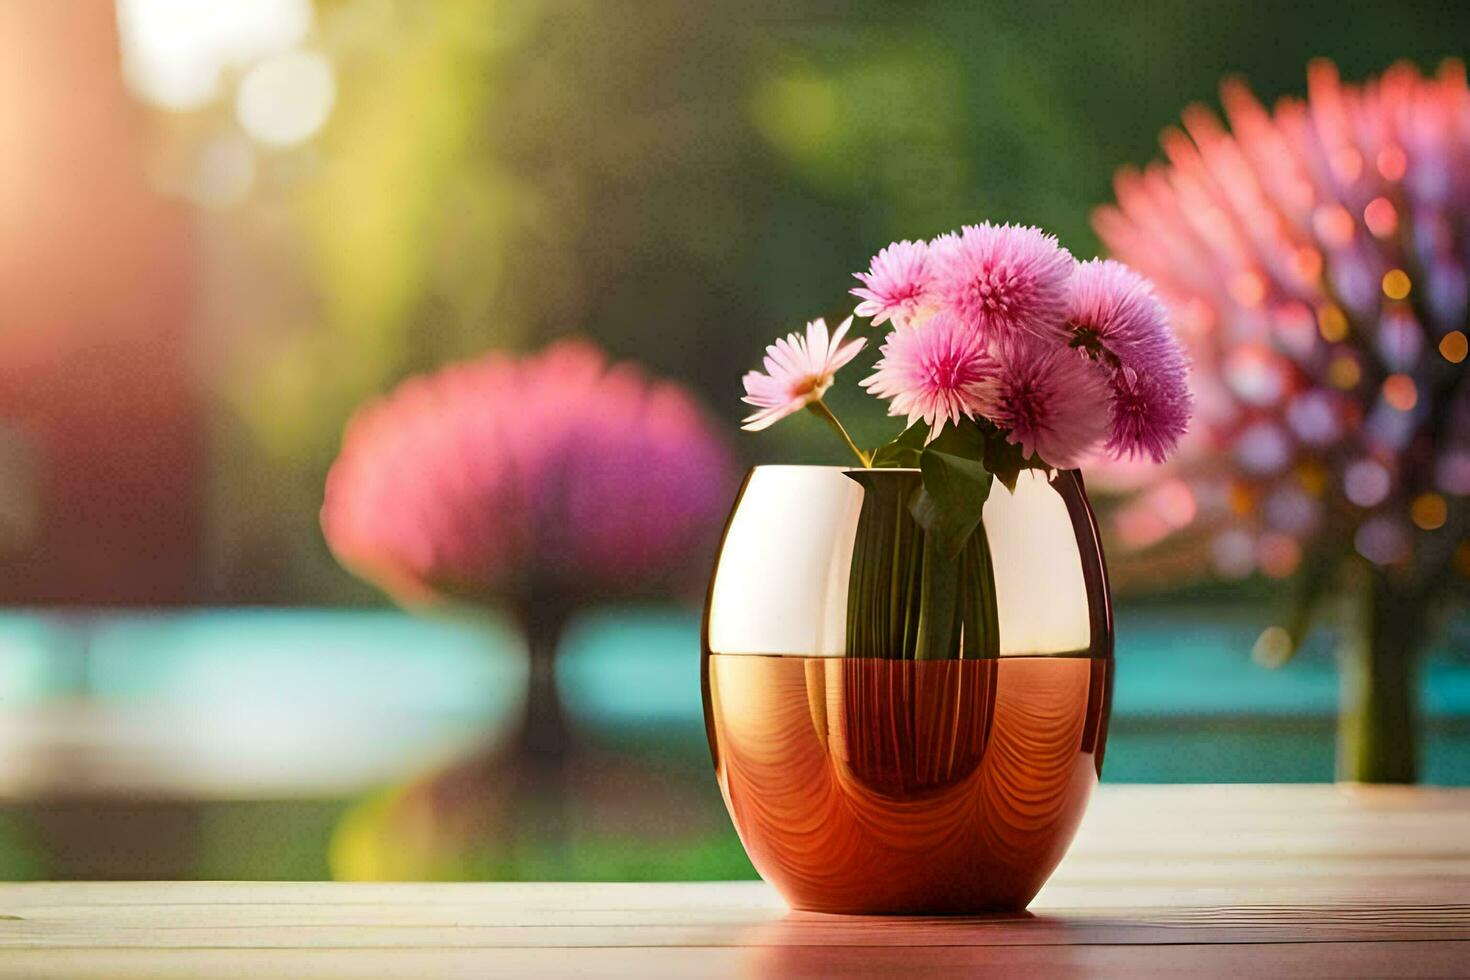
236,926
1224,880
1388,960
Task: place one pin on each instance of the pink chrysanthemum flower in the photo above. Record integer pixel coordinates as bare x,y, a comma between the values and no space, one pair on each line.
1049,399
897,286
799,370
1116,320
1003,280
1114,315
938,371
1150,413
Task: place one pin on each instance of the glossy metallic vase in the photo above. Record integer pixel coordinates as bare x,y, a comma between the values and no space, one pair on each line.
896,728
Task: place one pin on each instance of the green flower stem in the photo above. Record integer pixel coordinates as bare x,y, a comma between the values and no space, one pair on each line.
939,597
820,409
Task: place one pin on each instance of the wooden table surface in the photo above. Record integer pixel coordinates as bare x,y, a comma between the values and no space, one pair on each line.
1239,881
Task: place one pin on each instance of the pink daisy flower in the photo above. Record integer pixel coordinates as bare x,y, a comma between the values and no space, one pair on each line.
1050,400
1114,316
897,285
1150,412
937,371
799,370
1003,280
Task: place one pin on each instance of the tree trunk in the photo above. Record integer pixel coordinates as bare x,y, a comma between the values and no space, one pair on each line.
1377,658
543,744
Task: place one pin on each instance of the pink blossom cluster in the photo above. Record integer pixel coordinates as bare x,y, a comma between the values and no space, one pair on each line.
556,473
1000,325
1314,256
1000,322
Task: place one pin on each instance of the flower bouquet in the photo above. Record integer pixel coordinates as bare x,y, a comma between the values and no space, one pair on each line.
1003,354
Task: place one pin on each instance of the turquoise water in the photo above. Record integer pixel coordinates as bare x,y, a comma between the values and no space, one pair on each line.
1189,703
1170,665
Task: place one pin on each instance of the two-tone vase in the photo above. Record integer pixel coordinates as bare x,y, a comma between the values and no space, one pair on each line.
900,730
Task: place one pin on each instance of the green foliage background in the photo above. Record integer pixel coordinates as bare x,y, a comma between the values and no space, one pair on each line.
680,180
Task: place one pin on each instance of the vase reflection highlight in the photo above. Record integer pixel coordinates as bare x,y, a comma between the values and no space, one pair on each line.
866,785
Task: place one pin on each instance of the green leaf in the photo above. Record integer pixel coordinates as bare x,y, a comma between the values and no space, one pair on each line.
953,499
1005,459
962,438
903,451
939,593
977,605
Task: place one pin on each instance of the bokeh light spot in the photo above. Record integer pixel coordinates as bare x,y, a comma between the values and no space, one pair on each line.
284,100
1263,448
1428,512
1278,554
1174,502
1452,472
1307,263
1242,500
799,113
1332,323
1400,392
1344,372
1396,284
1256,374
1348,163
1272,647
1334,225
1381,217
1393,163
1290,510
1233,554
174,52
1453,347
1366,483
1314,418
1382,540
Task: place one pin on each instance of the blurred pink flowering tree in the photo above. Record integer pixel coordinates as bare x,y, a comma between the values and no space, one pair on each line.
536,486
1314,256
